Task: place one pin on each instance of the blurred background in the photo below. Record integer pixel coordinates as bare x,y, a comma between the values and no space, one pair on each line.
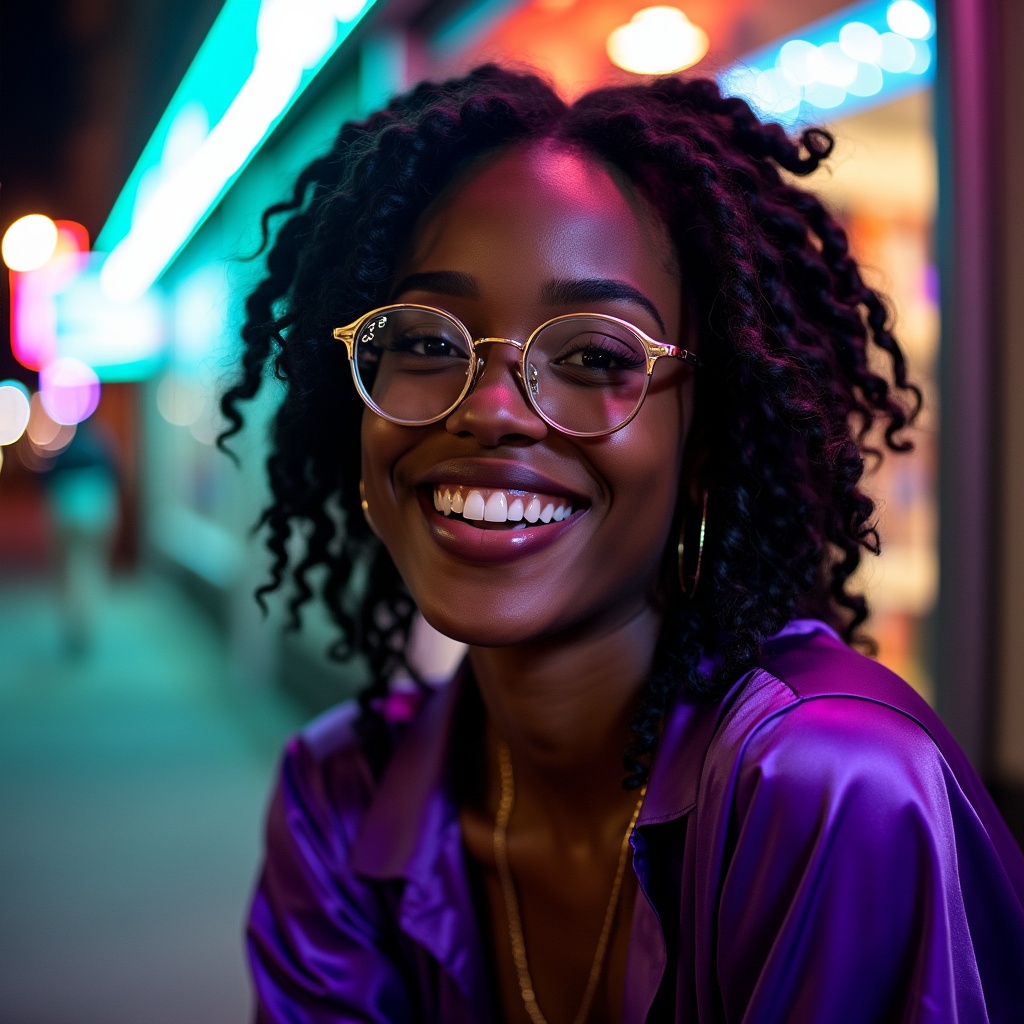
143,698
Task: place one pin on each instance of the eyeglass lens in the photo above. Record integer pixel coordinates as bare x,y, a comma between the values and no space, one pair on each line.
585,374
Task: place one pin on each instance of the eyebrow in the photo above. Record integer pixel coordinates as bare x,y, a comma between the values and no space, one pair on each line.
559,292
569,292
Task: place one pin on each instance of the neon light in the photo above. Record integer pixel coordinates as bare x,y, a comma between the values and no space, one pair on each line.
256,61
119,340
33,297
865,54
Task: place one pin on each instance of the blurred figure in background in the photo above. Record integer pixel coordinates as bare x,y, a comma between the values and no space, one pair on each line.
83,492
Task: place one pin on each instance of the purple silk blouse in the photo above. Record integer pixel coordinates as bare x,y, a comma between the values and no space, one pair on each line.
813,847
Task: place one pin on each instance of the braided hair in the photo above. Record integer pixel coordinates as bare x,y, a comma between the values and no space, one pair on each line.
801,369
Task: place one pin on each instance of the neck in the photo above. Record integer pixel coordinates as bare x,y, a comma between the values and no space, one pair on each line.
564,710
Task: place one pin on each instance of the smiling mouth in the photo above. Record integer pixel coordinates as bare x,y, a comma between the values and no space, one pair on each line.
490,508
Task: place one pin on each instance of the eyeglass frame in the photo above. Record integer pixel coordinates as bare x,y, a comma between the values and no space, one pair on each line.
653,350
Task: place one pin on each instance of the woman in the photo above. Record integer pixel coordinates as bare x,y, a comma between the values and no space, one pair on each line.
609,378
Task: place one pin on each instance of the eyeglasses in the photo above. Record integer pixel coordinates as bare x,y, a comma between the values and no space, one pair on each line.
585,374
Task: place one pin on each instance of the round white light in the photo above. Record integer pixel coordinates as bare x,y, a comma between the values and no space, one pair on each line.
909,19
179,401
70,390
14,411
922,58
861,42
773,93
868,81
29,242
796,61
833,67
897,53
43,431
657,41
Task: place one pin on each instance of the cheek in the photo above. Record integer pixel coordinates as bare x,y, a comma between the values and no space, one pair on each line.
382,444
642,464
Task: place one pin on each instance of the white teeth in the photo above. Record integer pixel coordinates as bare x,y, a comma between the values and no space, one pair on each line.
496,508
474,507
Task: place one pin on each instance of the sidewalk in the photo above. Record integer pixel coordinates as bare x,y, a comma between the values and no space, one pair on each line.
132,788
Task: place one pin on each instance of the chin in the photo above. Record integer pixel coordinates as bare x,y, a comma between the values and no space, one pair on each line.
494,631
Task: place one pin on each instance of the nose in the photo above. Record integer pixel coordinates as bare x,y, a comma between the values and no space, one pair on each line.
496,410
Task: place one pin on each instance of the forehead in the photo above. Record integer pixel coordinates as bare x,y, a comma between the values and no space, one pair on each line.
541,212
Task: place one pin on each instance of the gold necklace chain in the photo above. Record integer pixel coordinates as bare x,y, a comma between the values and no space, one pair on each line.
515,924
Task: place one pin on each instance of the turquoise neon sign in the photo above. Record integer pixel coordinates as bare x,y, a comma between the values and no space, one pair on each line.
257,59
865,54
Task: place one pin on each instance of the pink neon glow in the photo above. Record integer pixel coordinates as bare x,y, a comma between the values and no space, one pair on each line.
33,309
70,390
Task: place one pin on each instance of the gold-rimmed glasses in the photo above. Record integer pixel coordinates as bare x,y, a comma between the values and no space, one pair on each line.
585,374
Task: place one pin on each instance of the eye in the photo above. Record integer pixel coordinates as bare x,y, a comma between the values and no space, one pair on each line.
597,351
429,344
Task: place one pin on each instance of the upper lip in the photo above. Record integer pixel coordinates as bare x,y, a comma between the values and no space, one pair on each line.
499,474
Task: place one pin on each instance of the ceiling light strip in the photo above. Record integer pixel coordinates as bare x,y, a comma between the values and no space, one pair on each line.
256,61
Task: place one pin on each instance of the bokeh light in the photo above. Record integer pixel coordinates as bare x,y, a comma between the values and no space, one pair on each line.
14,410
70,390
868,81
45,434
824,95
834,67
922,58
898,53
839,65
29,242
657,41
180,401
909,19
796,59
775,93
861,42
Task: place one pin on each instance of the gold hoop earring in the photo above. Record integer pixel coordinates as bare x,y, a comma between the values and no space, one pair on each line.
365,506
689,590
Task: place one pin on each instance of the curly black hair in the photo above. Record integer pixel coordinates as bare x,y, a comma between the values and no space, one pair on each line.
800,366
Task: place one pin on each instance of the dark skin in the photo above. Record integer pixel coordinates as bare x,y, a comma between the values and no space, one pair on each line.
561,633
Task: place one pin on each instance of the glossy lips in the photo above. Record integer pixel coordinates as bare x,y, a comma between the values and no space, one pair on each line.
495,510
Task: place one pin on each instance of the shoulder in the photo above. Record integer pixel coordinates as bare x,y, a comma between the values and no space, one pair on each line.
837,815
324,783
331,786
814,686
818,721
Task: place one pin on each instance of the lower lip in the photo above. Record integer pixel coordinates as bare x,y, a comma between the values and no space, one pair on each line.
472,544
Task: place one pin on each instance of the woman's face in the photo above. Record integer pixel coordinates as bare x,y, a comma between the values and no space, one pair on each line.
523,239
